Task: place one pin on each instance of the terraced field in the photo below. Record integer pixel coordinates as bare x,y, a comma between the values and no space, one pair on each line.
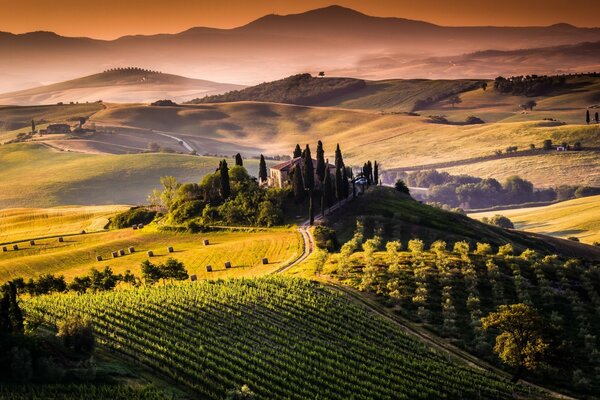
76,255
285,338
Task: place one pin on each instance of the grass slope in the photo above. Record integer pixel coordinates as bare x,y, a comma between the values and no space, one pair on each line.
579,218
77,254
34,175
29,223
401,217
285,338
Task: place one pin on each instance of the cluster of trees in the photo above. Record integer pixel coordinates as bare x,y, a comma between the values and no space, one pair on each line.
296,89
27,358
473,192
529,85
229,196
133,216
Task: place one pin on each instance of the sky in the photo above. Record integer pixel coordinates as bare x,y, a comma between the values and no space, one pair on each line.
109,19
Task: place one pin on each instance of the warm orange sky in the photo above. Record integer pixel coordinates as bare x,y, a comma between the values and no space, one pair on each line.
108,19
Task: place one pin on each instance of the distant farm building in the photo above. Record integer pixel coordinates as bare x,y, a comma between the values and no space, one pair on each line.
58,128
279,175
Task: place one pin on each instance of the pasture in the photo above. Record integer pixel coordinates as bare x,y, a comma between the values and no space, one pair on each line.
579,218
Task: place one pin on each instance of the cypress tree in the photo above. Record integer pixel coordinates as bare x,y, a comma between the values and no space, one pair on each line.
311,211
587,116
339,184
297,151
224,173
298,185
339,160
375,174
262,169
345,183
32,126
238,160
320,162
596,118
308,170
5,324
327,190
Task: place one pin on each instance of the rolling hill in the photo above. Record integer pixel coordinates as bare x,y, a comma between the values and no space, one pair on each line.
399,217
123,85
574,218
331,38
35,175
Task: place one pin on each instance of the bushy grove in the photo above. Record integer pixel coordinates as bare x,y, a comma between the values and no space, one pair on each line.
452,290
475,193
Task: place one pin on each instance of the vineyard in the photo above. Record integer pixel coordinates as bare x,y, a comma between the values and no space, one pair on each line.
285,338
80,391
450,290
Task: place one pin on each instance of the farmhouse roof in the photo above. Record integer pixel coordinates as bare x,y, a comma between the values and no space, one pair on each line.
288,165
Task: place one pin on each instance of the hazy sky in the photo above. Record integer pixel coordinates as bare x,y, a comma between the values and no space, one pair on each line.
109,19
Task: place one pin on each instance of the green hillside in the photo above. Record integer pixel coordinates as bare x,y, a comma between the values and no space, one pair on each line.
285,338
399,217
35,175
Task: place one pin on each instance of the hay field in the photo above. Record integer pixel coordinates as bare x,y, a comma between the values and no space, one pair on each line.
77,254
579,218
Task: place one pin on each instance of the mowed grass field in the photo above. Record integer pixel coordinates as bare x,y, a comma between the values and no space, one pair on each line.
579,218
30,223
77,254
34,175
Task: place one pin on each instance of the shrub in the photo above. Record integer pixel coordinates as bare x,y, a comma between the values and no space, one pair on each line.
501,221
401,187
416,246
506,250
483,249
326,238
133,216
472,120
573,238
77,334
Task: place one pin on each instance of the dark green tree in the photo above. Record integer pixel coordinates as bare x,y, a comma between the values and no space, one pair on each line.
150,272
596,118
224,175
238,160
308,170
11,317
375,173
32,126
587,117
339,160
327,190
339,184
345,183
297,151
262,169
173,270
320,162
298,184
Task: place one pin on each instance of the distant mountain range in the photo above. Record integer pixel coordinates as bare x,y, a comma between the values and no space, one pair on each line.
123,85
329,39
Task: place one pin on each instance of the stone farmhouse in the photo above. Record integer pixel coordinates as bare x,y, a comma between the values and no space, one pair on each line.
279,175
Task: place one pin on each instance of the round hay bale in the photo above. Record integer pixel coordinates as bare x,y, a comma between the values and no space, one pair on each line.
131,249
121,252
15,247
4,248
228,264
32,242
206,242
150,253
134,227
209,268
61,239
193,278
265,260
115,254
170,249
140,226
98,258
83,232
